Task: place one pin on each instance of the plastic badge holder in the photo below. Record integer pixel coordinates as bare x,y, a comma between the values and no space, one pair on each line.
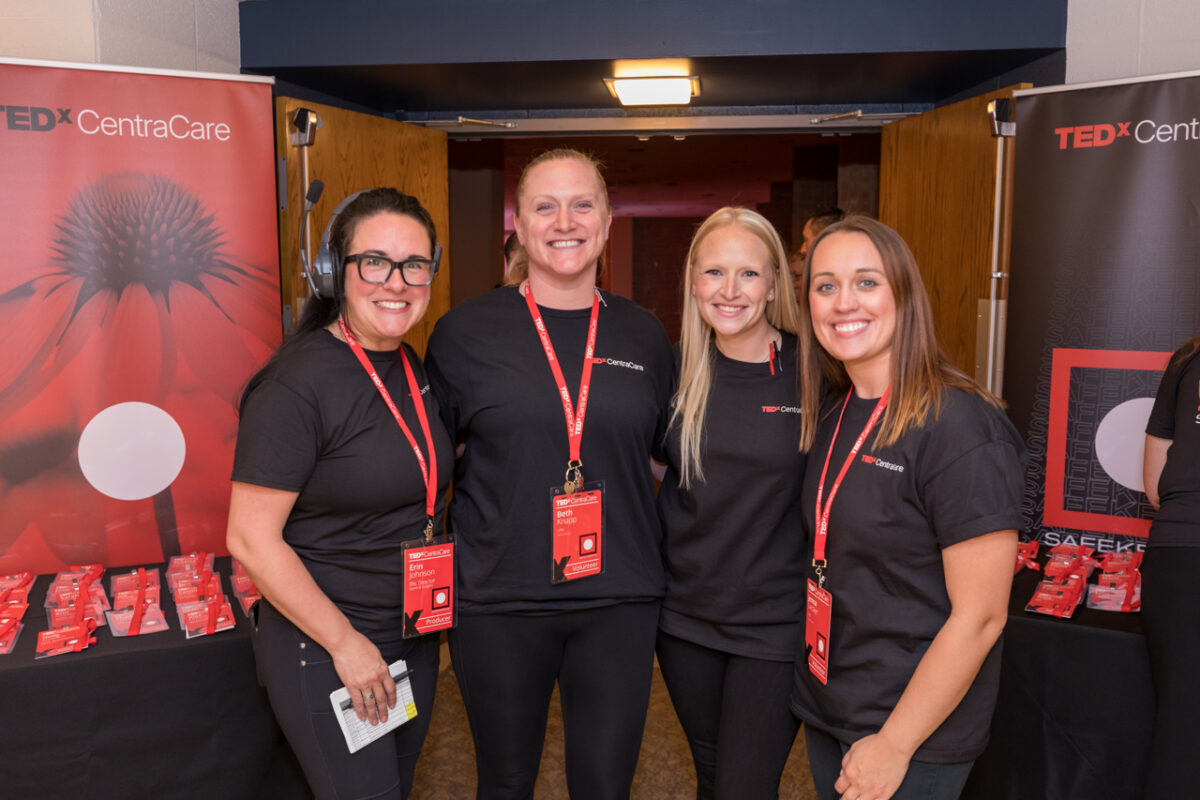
193,562
128,598
1126,599
1027,553
71,639
10,631
206,617
16,580
1120,562
1055,599
359,733
132,580
1061,564
14,594
126,622
62,616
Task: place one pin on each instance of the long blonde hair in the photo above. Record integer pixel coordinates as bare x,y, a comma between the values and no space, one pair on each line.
518,268
920,370
696,336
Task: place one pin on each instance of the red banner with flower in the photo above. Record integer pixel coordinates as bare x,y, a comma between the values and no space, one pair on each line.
139,291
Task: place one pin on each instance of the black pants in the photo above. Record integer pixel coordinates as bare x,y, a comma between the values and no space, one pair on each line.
299,676
923,781
735,713
602,660
1171,618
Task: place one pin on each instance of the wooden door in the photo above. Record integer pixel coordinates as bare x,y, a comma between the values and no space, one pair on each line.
354,151
938,188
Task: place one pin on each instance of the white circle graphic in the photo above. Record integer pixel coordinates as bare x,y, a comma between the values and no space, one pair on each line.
441,598
131,451
1121,440
589,544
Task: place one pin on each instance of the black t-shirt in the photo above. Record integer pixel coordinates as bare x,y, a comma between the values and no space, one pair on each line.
314,423
735,542
1176,416
956,478
499,397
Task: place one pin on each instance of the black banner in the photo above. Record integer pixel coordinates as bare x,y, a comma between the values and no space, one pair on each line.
1105,285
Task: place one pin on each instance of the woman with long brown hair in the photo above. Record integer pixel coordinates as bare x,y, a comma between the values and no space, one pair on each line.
558,392
913,490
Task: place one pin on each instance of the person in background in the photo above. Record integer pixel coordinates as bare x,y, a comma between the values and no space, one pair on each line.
559,393
808,234
1170,605
326,487
730,504
913,490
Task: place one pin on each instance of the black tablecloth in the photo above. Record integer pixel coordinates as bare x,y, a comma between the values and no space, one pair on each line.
148,716
1076,707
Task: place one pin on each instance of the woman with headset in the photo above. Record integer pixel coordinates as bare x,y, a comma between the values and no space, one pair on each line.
341,461
558,392
730,504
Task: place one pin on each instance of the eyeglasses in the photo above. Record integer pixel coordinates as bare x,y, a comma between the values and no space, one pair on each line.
378,269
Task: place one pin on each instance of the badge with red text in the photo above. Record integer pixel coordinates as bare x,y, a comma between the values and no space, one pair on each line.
71,639
428,586
205,617
577,541
818,611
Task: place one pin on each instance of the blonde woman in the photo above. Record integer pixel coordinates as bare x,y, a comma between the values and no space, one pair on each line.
730,504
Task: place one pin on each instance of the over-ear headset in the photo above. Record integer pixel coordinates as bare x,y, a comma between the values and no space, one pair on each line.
326,266
326,269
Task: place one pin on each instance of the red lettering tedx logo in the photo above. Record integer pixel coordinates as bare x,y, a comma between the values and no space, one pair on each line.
868,459
1081,136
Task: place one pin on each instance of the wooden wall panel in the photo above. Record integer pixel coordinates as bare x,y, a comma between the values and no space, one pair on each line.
937,189
354,151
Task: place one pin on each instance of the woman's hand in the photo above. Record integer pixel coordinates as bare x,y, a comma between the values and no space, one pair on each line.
365,674
872,769
255,538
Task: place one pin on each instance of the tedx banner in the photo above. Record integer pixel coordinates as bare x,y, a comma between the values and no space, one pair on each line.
139,291
1105,286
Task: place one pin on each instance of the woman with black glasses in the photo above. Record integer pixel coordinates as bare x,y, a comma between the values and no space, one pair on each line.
342,459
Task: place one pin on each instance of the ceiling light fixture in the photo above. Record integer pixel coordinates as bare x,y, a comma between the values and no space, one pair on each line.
654,90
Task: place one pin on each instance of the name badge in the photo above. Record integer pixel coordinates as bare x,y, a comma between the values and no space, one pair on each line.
577,533
819,609
428,586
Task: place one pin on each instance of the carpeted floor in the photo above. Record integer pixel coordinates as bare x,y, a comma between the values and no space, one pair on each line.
447,767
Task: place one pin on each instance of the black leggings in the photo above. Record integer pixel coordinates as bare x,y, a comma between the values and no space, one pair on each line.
299,676
1171,618
507,665
735,713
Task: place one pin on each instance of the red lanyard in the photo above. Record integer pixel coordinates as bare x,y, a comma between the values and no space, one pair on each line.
822,515
771,358
574,420
428,472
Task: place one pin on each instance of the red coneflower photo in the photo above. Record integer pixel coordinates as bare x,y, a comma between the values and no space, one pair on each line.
128,336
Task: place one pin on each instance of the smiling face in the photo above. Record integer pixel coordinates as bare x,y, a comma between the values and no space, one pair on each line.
732,282
380,314
562,220
853,308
